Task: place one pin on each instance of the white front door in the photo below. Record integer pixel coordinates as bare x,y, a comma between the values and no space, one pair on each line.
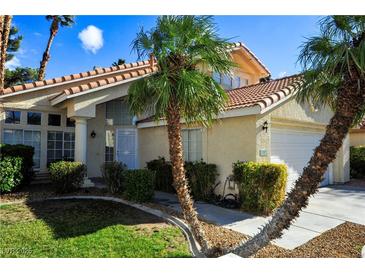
126,143
295,149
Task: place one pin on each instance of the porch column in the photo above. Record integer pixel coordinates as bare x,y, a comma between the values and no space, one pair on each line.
81,145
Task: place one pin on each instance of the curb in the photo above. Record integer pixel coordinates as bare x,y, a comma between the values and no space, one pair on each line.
194,246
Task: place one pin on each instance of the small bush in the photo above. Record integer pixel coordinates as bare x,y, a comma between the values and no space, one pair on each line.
24,152
201,178
163,173
67,176
261,185
139,184
10,173
357,162
113,176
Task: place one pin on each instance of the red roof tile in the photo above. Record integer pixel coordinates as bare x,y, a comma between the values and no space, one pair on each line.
263,94
71,77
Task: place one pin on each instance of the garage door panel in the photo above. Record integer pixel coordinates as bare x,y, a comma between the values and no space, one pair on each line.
294,149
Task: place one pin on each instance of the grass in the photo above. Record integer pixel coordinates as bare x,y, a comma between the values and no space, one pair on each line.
86,228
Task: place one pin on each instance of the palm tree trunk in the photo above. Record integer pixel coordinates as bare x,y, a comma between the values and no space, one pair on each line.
349,102
46,55
179,179
5,31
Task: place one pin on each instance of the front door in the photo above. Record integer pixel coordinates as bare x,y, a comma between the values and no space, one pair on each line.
126,143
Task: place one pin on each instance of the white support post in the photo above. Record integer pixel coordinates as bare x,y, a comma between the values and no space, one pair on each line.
81,145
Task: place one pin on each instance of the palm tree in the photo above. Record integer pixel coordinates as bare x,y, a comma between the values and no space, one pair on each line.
13,43
5,31
119,62
334,75
57,21
179,90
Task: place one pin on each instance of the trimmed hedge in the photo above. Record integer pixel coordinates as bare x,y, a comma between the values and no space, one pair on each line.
113,176
139,184
24,152
163,171
201,177
67,176
261,185
357,162
10,173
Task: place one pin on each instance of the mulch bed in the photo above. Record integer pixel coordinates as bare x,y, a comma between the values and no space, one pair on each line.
343,241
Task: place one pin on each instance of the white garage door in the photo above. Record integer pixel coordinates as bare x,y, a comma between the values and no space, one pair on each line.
295,149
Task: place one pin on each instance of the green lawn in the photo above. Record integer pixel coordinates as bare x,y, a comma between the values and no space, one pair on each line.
86,228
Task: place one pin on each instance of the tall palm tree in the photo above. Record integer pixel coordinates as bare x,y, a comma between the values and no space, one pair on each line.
57,21
5,31
334,75
179,90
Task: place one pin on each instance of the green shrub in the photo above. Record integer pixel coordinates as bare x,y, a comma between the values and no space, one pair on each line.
139,184
67,176
357,162
201,178
113,176
261,185
24,152
10,173
163,173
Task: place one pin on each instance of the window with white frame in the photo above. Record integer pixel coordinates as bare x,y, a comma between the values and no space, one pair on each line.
109,146
117,113
192,144
60,146
229,82
25,137
12,117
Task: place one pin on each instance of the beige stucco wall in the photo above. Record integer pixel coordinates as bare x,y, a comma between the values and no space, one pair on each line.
357,137
227,141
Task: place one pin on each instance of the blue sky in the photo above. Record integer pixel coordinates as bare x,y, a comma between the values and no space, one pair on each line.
274,39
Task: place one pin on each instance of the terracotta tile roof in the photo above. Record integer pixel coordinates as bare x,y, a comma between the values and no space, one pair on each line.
123,75
99,72
242,45
263,94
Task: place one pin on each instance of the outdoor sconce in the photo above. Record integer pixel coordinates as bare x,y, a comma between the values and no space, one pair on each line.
265,126
92,134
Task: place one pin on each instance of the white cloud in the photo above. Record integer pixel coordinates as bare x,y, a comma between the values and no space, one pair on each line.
91,38
37,34
282,74
13,63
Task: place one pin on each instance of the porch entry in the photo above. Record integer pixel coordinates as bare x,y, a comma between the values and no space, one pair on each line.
126,144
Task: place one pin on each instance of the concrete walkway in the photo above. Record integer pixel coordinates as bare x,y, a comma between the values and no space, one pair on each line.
330,207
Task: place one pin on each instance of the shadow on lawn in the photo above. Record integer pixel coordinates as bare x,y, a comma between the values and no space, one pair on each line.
71,218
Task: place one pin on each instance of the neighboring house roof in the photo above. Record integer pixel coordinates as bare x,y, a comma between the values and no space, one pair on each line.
263,95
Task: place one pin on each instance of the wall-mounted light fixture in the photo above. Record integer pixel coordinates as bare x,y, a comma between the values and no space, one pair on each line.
265,126
93,134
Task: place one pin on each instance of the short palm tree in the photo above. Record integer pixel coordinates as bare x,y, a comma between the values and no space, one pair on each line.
57,21
334,75
180,90
119,62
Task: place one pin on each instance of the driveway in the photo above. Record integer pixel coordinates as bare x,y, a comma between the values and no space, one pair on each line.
328,208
